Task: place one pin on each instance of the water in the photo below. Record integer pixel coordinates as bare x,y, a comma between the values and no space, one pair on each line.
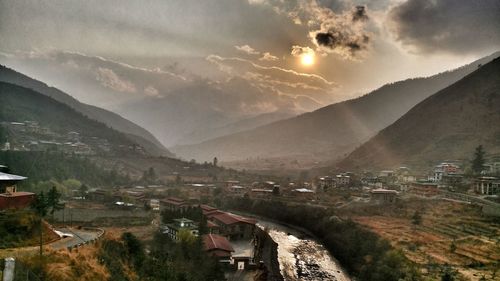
302,258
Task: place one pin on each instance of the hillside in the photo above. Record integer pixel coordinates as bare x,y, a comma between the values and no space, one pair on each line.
447,125
234,127
135,132
330,132
18,104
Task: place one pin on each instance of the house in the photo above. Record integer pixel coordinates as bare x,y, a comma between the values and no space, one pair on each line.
172,229
304,193
233,226
217,246
237,189
342,180
381,195
154,204
487,185
261,192
10,198
424,188
445,169
326,183
174,204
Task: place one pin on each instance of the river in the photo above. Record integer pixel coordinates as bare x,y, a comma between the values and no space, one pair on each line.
302,257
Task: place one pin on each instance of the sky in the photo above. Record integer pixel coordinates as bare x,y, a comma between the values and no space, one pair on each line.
204,63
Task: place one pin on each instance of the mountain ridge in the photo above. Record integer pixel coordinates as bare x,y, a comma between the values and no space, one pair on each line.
329,132
137,133
467,112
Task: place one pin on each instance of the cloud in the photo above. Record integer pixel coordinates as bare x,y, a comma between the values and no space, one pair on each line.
109,79
298,51
452,26
279,80
247,49
334,26
268,57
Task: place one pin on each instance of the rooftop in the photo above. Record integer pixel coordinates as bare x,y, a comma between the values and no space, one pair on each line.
383,190
228,218
17,194
216,242
10,177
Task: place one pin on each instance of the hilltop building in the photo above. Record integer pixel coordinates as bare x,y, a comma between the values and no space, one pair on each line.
10,198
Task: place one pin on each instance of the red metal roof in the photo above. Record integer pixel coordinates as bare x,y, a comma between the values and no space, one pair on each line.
228,218
174,201
216,242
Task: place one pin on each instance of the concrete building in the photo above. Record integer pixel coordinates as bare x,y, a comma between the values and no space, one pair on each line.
381,195
487,185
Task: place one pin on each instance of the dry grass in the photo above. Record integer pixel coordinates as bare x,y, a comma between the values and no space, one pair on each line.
477,239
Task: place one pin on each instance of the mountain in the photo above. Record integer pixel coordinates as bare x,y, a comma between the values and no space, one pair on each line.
330,132
18,104
447,125
134,132
235,127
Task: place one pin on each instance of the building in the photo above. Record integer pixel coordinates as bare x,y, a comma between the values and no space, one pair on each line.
326,183
342,180
172,229
424,189
487,185
381,195
233,226
217,246
445,169
10,198
154,204
304,193
174,204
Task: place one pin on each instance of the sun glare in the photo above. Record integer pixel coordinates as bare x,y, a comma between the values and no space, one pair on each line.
307,59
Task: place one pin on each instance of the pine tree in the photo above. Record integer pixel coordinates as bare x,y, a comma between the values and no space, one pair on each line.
54,201
478,161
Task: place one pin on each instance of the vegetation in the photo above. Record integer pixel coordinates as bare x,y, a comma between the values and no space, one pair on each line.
478,161
19,104
360,251
45,166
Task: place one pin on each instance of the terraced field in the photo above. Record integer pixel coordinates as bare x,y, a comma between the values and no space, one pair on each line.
450,233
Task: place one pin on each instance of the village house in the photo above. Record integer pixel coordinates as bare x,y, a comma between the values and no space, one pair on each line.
174,204
424,189
342,180
10,198
218,246
304,193
381,195
326,182
232,226
487,185
444,169
173,229
154,204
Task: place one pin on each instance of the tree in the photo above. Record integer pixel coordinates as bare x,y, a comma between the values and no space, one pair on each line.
54,201
41,207
83,190
215,161
416,219
478,161
3,135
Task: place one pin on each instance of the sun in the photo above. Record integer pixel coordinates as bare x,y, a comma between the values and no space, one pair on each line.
307,59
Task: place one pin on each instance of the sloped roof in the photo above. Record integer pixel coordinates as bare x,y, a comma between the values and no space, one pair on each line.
216,242
10,177
228,218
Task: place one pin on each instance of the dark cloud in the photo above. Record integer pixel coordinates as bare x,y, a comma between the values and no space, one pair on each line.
455,26
334,39
359,14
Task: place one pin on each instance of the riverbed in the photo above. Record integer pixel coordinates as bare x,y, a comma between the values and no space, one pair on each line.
301,257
